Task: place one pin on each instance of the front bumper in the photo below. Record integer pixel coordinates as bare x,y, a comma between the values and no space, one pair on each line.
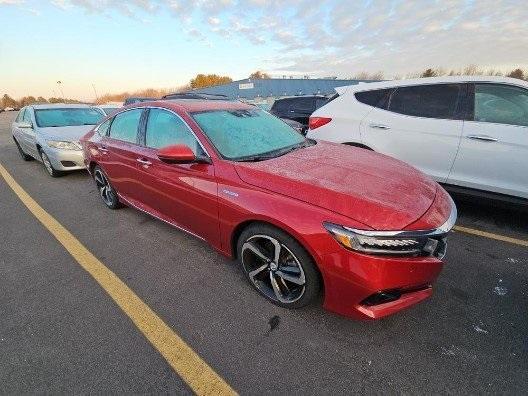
353,281
65,160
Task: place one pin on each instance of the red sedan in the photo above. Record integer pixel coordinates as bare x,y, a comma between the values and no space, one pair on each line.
302,217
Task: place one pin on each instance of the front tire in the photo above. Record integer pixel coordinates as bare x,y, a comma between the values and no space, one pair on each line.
106,191
278,266
48,165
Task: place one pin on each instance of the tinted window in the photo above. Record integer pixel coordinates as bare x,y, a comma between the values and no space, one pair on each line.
165,129
242,133
320,102
280,105
501,104
303,105
74,116
20,115
431,101
103,128
125,125
375,98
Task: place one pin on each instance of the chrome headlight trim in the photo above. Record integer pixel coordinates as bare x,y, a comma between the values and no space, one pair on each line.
397,243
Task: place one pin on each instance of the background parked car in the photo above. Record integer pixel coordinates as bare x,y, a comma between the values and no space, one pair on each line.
193,95
50,133
132,100
297,108
108,109
468,132
295,125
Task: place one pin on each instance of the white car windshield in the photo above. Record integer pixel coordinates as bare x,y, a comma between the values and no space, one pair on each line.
48,118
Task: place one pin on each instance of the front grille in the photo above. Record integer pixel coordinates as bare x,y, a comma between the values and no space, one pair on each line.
68,164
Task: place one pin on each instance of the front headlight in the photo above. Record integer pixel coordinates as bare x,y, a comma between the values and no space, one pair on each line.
61,145
396,243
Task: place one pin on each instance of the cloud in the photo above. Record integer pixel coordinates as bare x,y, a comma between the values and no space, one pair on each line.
11,2
342,37
213,21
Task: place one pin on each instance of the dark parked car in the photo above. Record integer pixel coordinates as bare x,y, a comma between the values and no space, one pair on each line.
195,95
298,108
136,100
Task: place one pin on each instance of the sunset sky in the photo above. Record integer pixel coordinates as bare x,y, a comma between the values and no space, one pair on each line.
117,46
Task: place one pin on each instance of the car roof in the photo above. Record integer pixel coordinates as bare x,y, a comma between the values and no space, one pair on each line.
429,80
59,106
194,105
301,96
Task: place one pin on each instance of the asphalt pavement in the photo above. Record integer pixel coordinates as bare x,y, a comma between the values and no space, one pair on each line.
61,332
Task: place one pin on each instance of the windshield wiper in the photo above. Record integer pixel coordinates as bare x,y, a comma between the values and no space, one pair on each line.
255,158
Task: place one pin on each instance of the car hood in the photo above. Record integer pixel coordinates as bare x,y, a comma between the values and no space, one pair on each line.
381,192
68,133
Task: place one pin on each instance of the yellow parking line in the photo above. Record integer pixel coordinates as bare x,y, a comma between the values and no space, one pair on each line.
490,235
201,378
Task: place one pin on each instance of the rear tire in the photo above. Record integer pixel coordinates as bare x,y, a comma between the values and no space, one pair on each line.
24,156
106,191
278,266
48,165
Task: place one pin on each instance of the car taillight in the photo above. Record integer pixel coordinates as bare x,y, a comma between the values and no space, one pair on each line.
316,122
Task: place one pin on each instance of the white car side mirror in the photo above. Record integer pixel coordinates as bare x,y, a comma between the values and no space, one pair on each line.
25,124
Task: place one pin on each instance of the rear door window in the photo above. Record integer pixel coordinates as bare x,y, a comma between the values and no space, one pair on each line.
125,126
374,98
429,101
501,104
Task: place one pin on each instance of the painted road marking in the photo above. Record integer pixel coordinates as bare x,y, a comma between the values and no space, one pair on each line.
491,235
198,375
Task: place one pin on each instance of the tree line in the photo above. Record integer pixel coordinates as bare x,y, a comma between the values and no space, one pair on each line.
208,80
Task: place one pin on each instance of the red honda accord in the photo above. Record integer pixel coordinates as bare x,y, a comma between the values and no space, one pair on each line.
302,217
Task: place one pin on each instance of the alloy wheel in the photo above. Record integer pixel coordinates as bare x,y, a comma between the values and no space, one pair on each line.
273,269
47,163
105,190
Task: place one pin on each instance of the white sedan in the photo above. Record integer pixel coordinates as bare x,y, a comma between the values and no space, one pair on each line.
50,133
468,132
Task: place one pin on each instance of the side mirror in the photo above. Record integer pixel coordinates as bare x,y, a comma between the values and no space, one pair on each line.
177,153
25,124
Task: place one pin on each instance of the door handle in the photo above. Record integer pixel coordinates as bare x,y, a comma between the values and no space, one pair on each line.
103,149
144,162
379,126
483,138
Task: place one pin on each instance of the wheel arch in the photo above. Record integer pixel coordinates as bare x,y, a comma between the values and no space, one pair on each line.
237,231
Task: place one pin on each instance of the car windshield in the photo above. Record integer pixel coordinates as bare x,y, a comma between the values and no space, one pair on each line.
48,118
248,134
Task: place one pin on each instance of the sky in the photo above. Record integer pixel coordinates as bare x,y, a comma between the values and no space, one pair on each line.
115,46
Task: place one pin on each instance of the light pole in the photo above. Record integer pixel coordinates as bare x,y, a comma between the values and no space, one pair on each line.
59,83
95,92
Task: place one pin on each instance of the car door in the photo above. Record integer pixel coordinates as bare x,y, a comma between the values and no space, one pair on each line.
29,134
493,153
182,194
419,124
118,148
16,130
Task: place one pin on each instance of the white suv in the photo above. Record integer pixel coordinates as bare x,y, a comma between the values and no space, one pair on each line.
465,131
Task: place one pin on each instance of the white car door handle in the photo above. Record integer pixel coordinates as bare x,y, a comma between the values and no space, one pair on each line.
379,126
483,138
